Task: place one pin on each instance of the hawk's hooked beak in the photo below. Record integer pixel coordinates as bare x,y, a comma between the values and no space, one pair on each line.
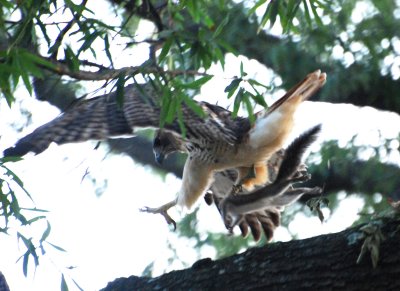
159,157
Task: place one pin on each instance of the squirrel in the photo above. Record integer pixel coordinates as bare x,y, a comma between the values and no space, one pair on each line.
279,193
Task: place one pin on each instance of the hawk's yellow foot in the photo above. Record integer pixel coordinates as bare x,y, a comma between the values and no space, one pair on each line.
163,211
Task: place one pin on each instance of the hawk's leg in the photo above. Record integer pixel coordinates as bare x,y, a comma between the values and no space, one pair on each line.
163,211
251,174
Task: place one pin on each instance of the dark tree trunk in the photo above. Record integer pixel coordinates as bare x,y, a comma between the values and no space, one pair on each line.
326,262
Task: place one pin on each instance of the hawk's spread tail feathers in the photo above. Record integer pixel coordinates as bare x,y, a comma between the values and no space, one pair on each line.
305,89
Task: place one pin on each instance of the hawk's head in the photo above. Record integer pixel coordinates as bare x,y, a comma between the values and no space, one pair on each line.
165,143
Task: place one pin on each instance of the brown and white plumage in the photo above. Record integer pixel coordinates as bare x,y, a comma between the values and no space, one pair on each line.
257,143
214,143
280,193
258,210
104,117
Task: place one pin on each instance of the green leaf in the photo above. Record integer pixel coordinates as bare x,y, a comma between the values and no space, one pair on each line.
258,98
256,6
165,103
274,12
221,26
172,109
270,14
220,56
231,88
4,206
56,247
32,68
46,233
25,264
292,8
6,4
197,83
71,59
315,13
264,18
242,72
64,286
17,180
27,242
196,108
208,21
34,209
38,60
249,107
107,49
35,219
10,159
88,39
307,13
166,47
4,230
237,102
27,82
77,7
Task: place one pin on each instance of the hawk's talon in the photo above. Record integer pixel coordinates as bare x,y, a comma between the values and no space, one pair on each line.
163,210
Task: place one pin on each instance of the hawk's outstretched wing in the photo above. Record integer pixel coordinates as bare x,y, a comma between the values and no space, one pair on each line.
103,117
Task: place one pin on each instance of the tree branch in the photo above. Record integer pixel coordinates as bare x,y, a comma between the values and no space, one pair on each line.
318,263
62,69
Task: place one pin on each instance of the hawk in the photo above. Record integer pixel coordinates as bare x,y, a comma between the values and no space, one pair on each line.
259,210
214,143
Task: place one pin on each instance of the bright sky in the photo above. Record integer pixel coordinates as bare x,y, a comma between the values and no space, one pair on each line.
107,237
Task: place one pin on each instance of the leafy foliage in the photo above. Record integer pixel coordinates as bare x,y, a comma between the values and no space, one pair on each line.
191,41
16,218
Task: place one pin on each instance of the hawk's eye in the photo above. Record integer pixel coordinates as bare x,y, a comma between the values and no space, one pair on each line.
157,142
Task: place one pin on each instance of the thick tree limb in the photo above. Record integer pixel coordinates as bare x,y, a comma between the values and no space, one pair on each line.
326,262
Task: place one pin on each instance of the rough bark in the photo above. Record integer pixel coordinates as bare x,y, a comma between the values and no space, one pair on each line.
326,262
